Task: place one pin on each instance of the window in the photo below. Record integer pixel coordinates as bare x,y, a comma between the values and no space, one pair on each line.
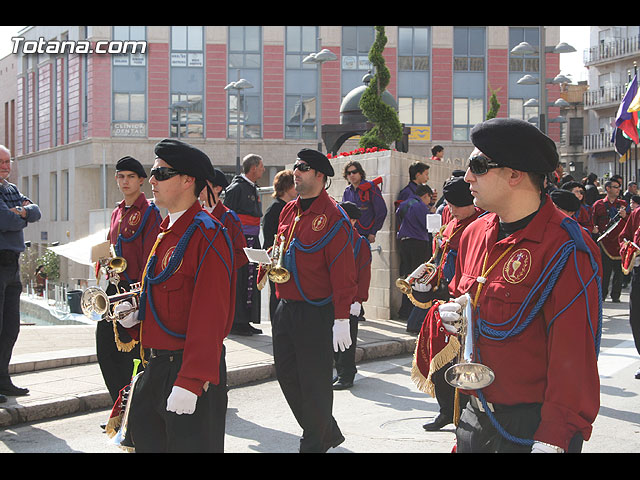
524,63
129,85
467,112
517,109
245,61
356,43
187,81
301,83
413,75
468,49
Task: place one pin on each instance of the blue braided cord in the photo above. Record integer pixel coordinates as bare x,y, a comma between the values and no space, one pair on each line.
312,248
566,249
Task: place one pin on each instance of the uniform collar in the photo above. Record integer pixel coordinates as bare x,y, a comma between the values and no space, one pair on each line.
318,205
534,231
139,203
181,224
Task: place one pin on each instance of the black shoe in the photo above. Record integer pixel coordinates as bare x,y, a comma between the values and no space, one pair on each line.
615,300
11,390
342,384
254,330
439,422
243,330
3,399
637,374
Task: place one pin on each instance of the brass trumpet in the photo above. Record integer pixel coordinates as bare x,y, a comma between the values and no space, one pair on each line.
405,284
466,374
277,273
95,300
113,266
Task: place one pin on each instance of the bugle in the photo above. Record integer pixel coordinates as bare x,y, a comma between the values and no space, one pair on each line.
467,374
94,300
277,273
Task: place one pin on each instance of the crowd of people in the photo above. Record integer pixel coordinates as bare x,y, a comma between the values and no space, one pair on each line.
514,279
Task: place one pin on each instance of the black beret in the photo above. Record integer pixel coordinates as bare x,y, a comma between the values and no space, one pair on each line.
458,173
185,158
457,192
220,179
565,200
515,144
130,164
317,160
351,209
636,199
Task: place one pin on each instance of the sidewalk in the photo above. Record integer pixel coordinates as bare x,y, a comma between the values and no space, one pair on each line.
59,367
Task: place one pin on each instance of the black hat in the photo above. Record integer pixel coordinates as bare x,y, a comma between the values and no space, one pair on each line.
423,189
565,200
220,179
636,199
351,209
457,193
515,144
130,164
184,158
458,173
317,160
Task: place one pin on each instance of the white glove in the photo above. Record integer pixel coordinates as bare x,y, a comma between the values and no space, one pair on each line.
539,447
355,309
421,287
449,313
129,320
341,335
181,401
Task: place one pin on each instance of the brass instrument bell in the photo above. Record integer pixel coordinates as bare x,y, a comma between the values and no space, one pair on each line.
277,272
94,300
466,374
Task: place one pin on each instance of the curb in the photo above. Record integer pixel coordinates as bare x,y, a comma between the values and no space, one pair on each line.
237,377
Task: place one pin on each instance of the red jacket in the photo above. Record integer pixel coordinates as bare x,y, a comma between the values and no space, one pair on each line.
234,228
327,272
602,214
127,221
554,364
196,301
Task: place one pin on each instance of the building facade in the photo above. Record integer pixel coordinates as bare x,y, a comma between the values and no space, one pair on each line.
77,113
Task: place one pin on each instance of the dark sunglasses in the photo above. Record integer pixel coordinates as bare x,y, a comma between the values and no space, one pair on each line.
303,167
480,165
351,172
163,173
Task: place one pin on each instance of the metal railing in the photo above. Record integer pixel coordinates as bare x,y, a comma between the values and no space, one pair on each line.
612,49
604,96
598,141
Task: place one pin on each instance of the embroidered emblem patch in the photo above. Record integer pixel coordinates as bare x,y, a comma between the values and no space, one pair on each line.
134,219
319,222
167,259
517,266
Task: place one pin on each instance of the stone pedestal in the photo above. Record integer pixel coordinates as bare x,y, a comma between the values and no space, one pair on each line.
393,167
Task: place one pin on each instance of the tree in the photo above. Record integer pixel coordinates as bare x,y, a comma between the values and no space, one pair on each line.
387,127
495,105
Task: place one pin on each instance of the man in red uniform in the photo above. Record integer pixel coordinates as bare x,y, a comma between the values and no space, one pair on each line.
212,204
189,273
345,362
631,233
135,224
533,278
429,363
607,212
315,301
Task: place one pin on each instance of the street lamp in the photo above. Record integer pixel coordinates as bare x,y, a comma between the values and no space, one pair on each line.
524,48
238,86
324,55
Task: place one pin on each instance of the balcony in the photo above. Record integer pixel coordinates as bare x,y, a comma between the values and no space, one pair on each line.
612,50
604,97
598,142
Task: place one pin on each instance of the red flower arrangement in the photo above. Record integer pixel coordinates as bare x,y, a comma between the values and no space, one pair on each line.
357,151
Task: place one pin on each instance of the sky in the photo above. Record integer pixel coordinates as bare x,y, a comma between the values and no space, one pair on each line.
570,63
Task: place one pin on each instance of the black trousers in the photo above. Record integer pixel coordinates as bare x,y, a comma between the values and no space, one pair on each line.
413,253
634,307
154,430
445,393
247,309
476,434
611,274
10,289
345,362
116,366
303,356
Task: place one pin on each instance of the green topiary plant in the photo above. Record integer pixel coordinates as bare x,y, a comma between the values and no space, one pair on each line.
495,105
387,127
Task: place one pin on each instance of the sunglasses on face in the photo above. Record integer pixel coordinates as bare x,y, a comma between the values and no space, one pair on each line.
480,165
351,172
163,173
303,167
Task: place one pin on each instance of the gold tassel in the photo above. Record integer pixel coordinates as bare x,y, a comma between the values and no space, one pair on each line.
445,356
122,347
113,425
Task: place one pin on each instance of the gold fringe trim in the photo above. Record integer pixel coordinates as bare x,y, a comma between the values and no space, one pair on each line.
113,425
442,358
122,347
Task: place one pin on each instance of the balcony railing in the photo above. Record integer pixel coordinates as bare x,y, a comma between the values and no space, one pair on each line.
604,96
612,49
598,142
